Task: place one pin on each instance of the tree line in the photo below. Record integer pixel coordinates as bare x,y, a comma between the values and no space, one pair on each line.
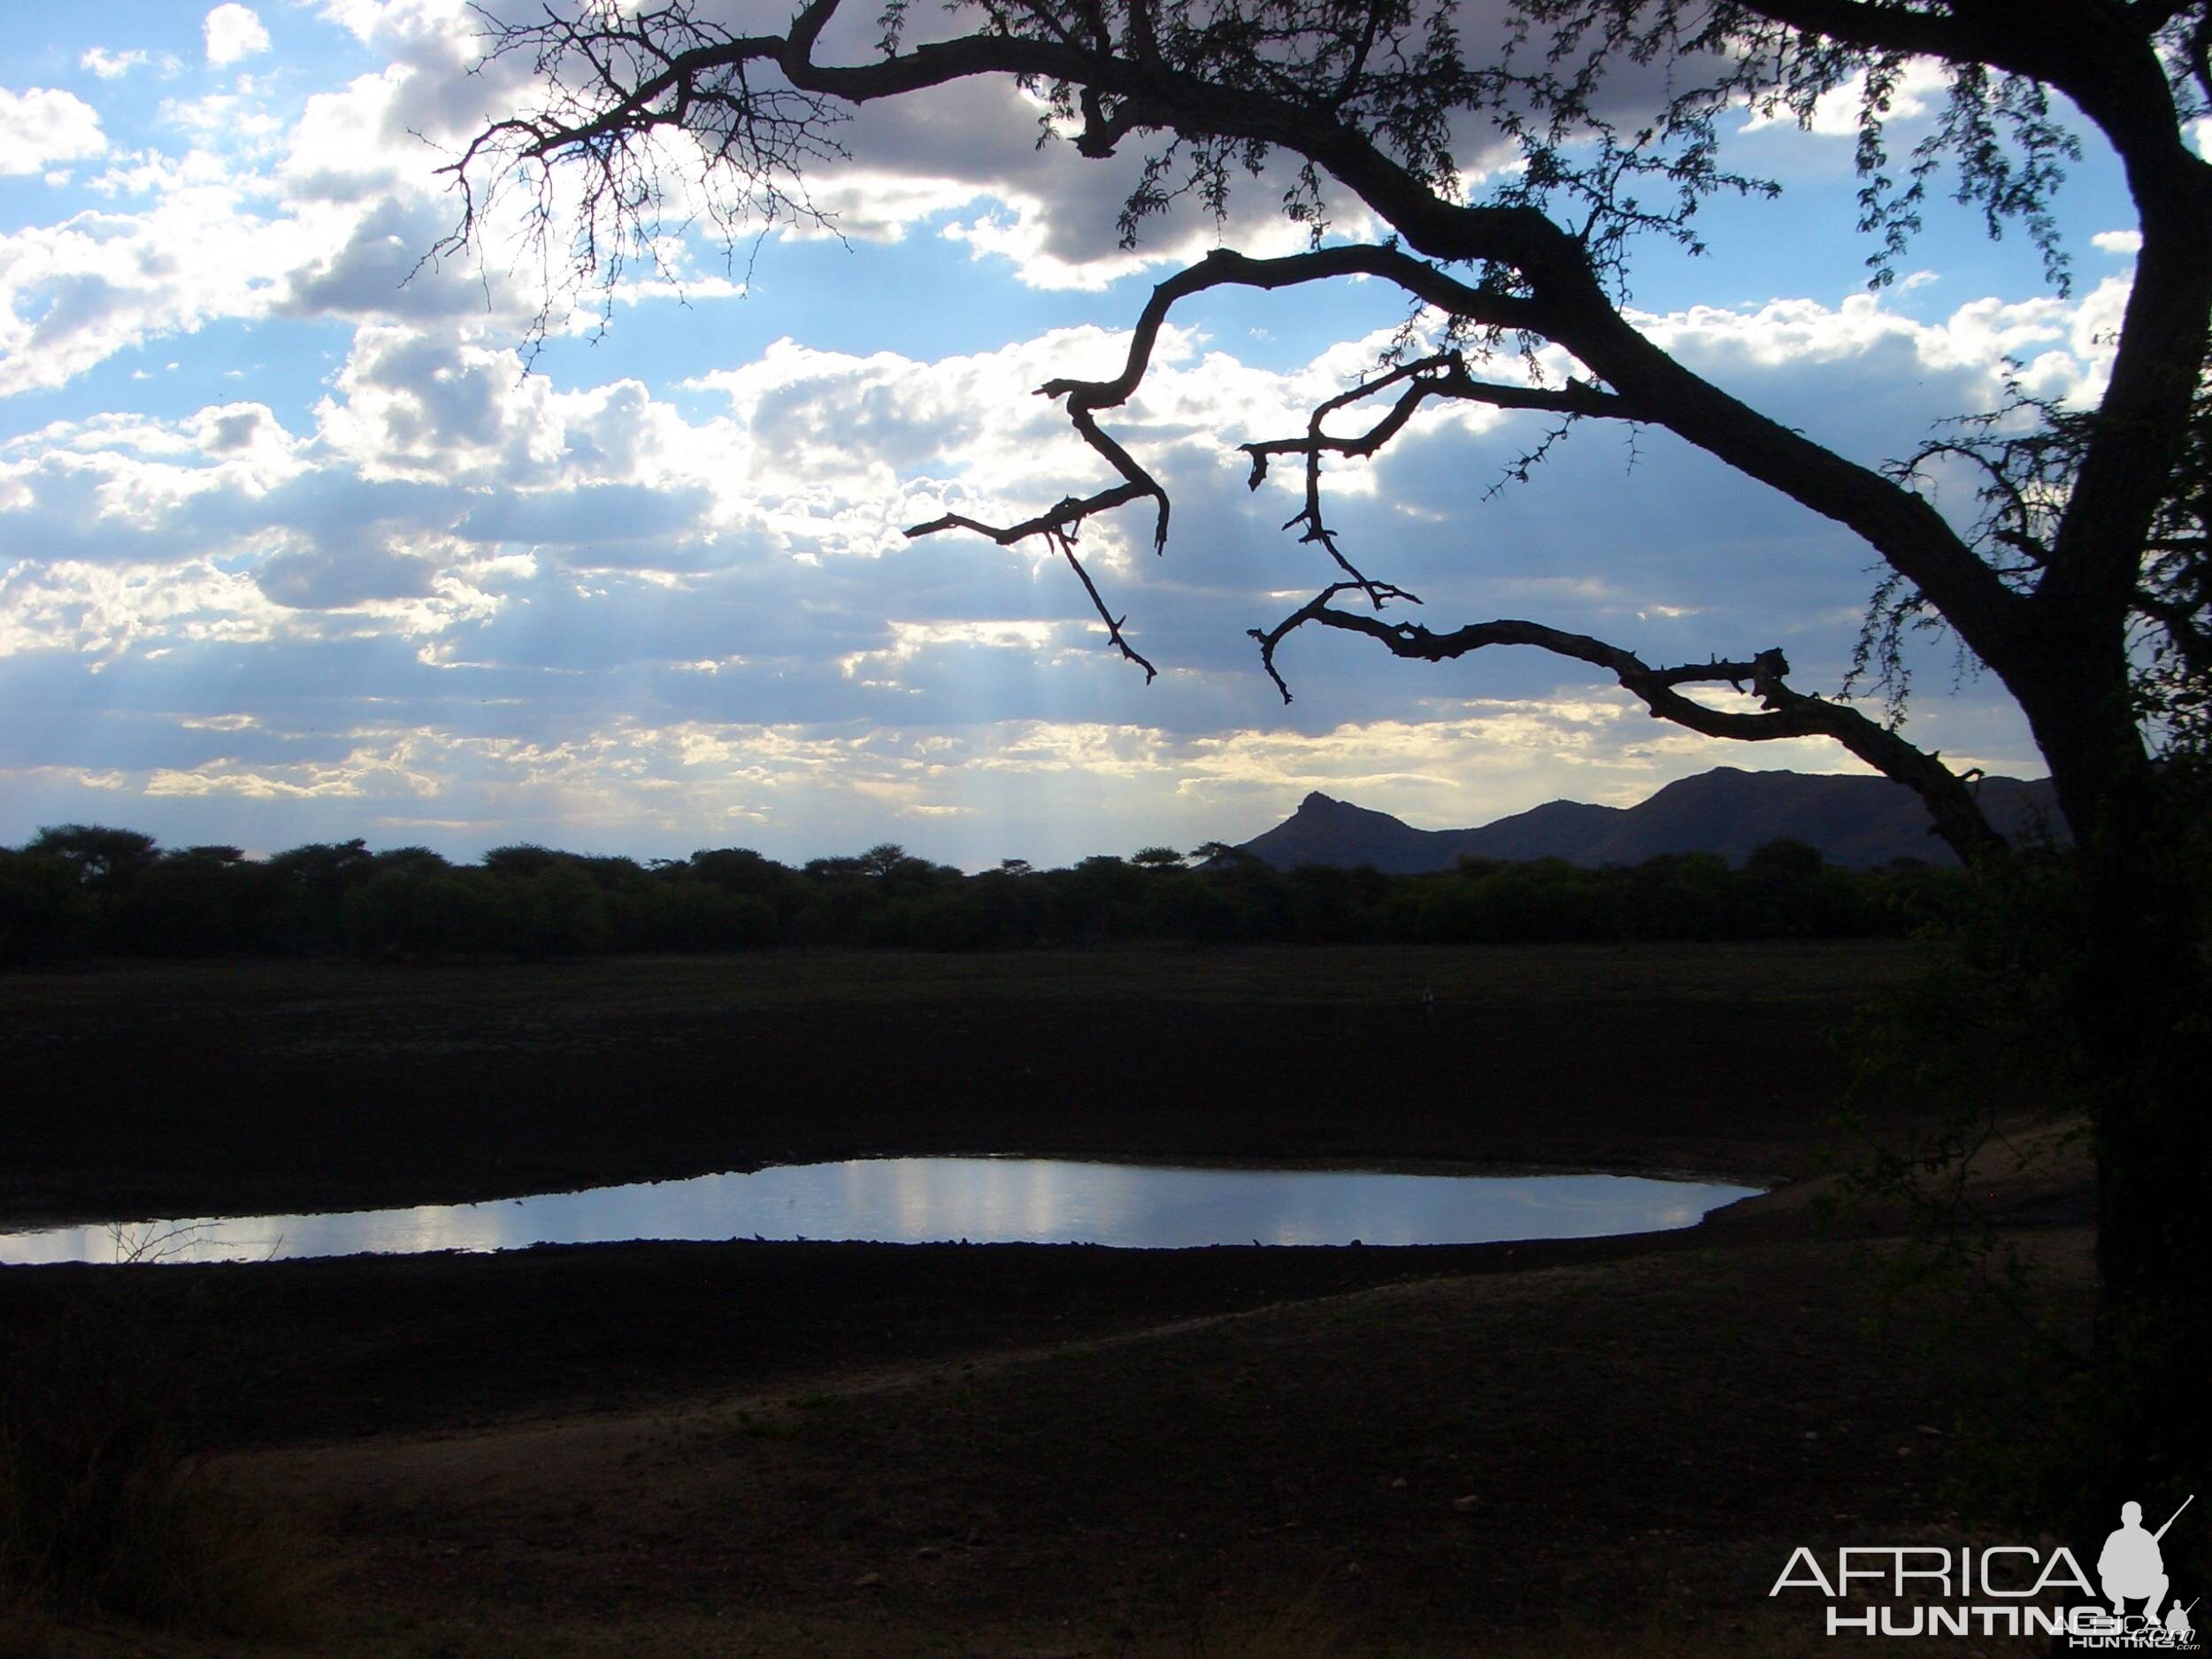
82,890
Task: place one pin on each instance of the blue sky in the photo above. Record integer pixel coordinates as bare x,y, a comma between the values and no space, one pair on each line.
294,548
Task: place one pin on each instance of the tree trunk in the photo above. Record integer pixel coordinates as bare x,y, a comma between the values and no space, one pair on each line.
2137,975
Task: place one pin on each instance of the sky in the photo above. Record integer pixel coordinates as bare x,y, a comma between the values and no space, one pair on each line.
299,541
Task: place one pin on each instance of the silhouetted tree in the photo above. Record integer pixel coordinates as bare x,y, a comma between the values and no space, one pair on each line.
412,909
411,860
196,900
2065,591
882,860
311,882
740,870
105,860
411,904
1219,853
523,858
44,911
1682,895
107,863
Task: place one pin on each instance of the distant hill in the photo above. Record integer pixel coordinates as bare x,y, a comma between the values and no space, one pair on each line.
1856,821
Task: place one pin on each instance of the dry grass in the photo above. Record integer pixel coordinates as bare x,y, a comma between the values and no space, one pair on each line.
102,1513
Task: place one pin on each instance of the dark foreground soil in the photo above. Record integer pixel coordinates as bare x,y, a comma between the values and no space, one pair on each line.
168,1089
1606,1447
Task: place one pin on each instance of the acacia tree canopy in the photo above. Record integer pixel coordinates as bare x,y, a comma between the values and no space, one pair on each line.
2079,562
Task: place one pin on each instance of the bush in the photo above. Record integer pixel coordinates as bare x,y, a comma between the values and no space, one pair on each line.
100,1512
44,913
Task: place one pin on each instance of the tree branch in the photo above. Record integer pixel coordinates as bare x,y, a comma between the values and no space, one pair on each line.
1058,524
1085,398
1442,374
1876,27
1560,295
1786,712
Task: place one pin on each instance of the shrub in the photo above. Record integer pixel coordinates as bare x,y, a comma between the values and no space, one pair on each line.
101,1512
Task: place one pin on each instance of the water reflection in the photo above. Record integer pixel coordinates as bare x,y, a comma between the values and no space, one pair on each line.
1044,1201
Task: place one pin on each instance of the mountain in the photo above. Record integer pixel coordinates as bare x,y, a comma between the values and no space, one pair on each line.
1856,821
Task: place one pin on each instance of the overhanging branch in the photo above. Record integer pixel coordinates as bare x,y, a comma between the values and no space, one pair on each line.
1084,399
1059,525
1532,274
1443,374
1785,712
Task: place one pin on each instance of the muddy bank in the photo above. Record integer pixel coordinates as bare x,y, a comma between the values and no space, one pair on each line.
272,1351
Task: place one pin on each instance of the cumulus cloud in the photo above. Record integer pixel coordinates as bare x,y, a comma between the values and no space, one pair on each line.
43,125
233,32
77,292
97,613
1049,213
319,208
2059,349
241,430
434,453
195,245
110,66
1923,83
335,572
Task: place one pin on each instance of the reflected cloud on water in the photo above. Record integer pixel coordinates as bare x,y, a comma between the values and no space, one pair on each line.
908,1201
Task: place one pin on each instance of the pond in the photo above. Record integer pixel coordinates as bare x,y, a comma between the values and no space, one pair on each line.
978,1200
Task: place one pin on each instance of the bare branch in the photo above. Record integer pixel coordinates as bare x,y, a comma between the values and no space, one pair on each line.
1065,542
1441,374
1059,525
1786,712
1085,398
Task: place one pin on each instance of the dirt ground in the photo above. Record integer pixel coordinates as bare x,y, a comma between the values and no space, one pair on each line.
139,1090
1607,1446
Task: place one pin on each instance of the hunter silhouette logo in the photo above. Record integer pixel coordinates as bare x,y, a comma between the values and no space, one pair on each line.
2131,1566
2006,1590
